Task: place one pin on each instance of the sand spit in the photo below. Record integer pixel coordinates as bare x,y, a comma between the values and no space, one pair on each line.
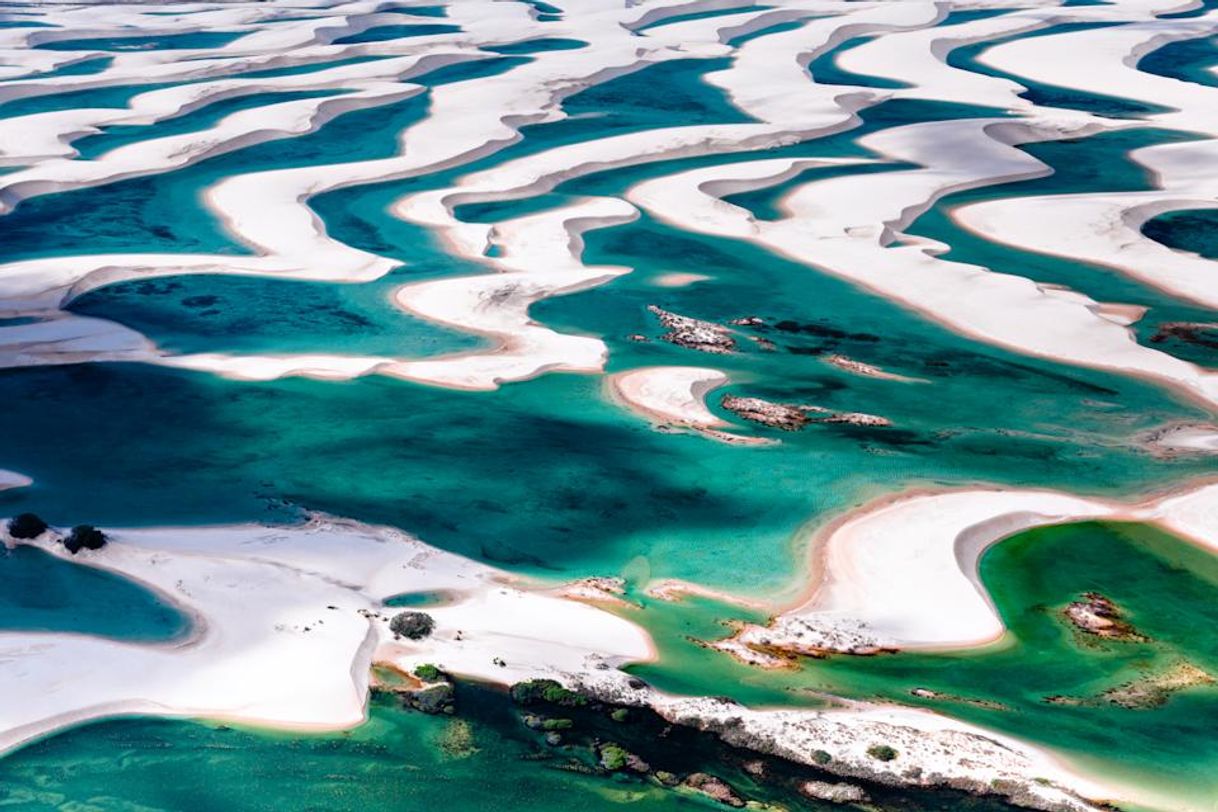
304,600
12,479
873,570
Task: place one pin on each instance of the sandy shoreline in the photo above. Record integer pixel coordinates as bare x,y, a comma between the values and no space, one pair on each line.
870,570
308,600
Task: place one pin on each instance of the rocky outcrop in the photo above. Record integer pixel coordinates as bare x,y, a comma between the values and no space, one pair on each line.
838,793
792,635
1097,615
714,788
694,334
785,416
856,419
795,416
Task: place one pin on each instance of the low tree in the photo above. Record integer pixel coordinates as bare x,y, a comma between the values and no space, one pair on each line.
882,752
84,537
413,625
26,526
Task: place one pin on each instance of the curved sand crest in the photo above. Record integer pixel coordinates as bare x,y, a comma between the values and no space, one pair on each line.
675,397
670,395
267,211
300,600
307,600
875,570
845,226
539,258
1104,228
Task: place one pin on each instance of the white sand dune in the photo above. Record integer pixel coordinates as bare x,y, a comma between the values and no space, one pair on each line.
671,396
846,225
902,573
301,600
843,225
12,479
307,600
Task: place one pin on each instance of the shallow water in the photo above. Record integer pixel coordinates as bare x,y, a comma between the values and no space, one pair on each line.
1167,587
548,477
43,593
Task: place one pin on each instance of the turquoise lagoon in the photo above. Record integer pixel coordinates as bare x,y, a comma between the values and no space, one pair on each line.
549,478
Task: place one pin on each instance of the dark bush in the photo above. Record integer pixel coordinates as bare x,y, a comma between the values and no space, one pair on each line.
84,537
545,690
26,526
429,673
882,751
414,625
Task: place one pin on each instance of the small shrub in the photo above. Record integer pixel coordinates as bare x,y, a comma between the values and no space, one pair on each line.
619,715
613,756
84,537
413,625
429,673
545,690
557,724
882,752
821,757
26,526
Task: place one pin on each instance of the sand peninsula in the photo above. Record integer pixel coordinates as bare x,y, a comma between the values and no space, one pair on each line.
309,600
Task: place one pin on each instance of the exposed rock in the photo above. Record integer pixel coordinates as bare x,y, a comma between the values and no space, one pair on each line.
1203,334
785,416
638,337
794,416
841,793
747,321
867,370
749,655
856,419
1099,616
714,788
925,754
792,635
596,589
694,334
434,699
